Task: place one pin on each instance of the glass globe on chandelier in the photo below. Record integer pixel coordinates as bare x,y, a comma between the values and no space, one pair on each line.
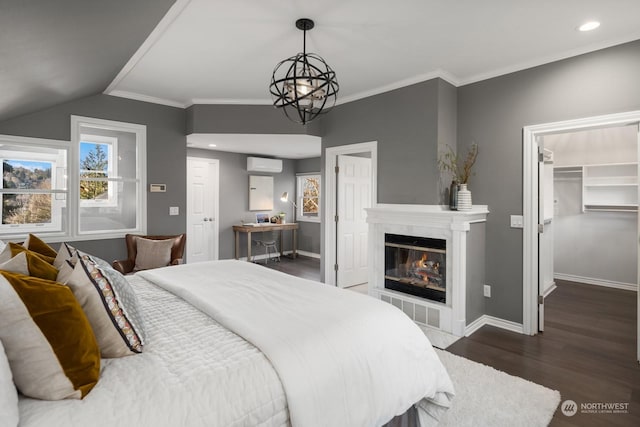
304,86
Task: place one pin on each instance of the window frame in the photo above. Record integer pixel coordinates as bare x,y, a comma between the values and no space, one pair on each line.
141,173
300,216
58,223
70,216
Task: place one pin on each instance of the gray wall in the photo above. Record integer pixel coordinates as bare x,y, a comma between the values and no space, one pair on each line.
309,232
475,299
404,122
234,196
244,119
166,153
493,113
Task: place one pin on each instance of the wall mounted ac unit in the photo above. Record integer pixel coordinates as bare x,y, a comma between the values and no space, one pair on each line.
260,164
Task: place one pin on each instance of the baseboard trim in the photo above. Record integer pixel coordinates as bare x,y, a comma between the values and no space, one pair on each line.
550,289
596,282
492,321
309,254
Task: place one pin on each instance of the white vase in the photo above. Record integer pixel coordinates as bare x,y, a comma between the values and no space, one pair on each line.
464,198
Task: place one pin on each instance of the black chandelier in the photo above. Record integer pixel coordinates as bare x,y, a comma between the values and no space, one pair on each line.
304,85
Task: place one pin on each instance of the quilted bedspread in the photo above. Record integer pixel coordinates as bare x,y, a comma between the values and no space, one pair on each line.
193,372
344,359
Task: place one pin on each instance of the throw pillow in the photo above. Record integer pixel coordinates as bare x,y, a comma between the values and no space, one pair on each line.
9,414
110,305
30,264
152,253
16,249
65,252
5,253
48,340
65,271
35,244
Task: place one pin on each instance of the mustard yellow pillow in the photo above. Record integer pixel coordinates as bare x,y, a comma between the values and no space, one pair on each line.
48,340
16,249
35,244
30,264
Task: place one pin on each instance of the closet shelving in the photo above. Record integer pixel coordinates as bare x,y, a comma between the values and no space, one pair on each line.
605,187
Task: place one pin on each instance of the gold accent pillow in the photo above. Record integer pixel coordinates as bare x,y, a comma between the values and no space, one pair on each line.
48,340
35,244
30,264
16,249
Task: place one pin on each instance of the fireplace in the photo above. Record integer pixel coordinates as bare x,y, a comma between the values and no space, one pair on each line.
428,261
416,266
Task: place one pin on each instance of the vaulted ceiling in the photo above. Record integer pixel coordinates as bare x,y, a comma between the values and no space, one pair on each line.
220,51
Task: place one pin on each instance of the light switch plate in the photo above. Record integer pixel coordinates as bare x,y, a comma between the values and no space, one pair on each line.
174,210
517,221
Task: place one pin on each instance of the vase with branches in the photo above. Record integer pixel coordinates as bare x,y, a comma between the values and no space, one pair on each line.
461,169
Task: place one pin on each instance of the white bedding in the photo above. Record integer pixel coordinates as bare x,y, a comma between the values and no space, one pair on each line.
193,372
344,359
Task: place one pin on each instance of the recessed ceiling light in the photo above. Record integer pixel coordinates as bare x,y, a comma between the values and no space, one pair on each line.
588,26
212,145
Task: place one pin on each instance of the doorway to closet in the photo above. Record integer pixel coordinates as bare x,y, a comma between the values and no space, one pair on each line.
586,230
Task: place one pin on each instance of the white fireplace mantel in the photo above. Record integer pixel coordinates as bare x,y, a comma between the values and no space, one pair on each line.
432,221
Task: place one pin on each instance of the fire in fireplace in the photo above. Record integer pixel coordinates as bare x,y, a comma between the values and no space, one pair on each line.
416,266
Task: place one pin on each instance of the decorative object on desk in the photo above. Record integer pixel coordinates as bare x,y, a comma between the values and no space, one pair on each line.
464,198
453,195
285,198
304,85
461,171
281,218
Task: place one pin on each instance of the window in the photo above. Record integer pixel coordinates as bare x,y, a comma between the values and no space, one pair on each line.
100,196
308,199
33,189
110,188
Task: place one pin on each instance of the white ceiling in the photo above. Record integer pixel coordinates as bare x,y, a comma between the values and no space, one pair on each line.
221,51
281,146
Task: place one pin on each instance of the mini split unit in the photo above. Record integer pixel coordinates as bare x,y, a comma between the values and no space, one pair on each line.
260,164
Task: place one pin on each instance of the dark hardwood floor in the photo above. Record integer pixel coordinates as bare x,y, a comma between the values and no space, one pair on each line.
587,351
301,266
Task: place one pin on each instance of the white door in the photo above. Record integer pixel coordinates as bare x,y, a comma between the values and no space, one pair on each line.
638,236
354,190
202,209
545,219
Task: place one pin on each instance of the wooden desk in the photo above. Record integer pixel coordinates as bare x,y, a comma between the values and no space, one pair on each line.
261,228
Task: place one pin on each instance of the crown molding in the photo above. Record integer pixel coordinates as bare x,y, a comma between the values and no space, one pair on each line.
146,98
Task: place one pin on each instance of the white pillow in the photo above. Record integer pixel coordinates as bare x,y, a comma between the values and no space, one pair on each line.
9,415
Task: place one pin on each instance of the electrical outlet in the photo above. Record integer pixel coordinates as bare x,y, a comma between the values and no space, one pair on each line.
517,221
487,291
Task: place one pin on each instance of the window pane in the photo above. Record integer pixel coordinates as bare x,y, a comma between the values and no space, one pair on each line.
32,195
26,208
109,185
310,195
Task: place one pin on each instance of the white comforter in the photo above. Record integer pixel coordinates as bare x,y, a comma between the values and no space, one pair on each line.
344,359
193,372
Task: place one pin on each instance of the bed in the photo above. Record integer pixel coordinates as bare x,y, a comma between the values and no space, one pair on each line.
231,343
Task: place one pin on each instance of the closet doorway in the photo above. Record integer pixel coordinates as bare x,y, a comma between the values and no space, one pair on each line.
591,220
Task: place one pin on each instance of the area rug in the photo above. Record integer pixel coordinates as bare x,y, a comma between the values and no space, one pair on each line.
488,397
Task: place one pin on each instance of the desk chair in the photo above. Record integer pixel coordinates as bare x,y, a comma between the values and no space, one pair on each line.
269,239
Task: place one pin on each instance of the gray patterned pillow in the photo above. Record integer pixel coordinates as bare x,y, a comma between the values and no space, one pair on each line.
111,306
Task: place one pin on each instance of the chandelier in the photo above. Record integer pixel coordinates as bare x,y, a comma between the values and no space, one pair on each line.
304,86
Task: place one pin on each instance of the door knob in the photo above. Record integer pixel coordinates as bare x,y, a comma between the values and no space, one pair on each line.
206,219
